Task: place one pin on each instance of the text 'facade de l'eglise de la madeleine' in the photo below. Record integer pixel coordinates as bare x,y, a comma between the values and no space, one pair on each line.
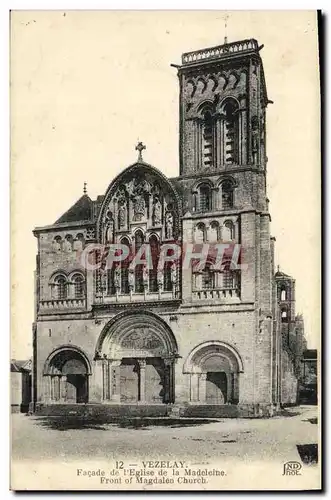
205,339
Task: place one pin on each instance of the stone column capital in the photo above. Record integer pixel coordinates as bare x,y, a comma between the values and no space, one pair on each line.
168,361
115,362
142,363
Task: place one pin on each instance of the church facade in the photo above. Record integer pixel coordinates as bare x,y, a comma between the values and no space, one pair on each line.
205,339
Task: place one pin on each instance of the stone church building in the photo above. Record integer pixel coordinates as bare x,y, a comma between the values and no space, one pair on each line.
197,340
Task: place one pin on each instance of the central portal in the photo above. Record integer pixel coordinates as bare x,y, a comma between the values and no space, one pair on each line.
136,353
142,380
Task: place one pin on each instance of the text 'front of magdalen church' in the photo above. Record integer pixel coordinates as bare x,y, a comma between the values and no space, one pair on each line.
220,340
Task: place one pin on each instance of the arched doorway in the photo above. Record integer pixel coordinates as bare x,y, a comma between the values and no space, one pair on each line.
214,369
136,352
66,376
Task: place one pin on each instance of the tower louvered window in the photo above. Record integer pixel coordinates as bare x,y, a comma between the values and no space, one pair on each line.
207,140
230,134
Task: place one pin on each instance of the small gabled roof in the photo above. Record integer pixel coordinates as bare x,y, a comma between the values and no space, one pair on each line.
281,274
17,365
310,354
82,210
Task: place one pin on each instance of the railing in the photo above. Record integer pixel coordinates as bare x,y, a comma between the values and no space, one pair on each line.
215,294
219,51
61,305
123,298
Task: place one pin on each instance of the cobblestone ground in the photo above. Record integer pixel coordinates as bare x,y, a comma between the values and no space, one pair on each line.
39,438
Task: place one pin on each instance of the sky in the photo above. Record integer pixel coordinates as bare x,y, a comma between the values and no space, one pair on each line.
86,85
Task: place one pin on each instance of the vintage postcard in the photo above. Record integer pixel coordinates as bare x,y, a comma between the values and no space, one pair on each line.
165,212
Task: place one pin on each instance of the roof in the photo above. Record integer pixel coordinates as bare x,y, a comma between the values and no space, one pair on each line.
17,365
82,210
221,53
310,354
281,274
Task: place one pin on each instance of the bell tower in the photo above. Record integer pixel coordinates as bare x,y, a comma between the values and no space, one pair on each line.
223,99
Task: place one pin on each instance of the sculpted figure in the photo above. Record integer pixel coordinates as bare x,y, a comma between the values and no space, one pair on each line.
103,280
121,213
138,207
160,275
110,232
145,276
169,225
157,212
117,276
131,279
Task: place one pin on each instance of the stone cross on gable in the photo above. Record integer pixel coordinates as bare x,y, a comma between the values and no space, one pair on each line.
140,147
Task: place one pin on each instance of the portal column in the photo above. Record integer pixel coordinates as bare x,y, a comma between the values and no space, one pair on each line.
169,380
105,380
52,391
202,387
116,381
142,380
97,382
55,388
47,389
63,388
194,387
235,387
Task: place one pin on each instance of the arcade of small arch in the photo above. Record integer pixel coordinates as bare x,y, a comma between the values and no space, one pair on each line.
214,368
135,363
66,376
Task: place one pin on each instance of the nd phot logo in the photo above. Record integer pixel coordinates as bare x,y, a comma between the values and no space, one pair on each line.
292,469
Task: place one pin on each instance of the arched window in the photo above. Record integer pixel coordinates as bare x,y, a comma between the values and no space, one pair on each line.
57,244
230,277
228,231
227,194
207,139
60,284
79,288
68,243
230,146
79,242
155,252
199,233
139,270
214,232
283,294
125,269
284,315
204,204
207,278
